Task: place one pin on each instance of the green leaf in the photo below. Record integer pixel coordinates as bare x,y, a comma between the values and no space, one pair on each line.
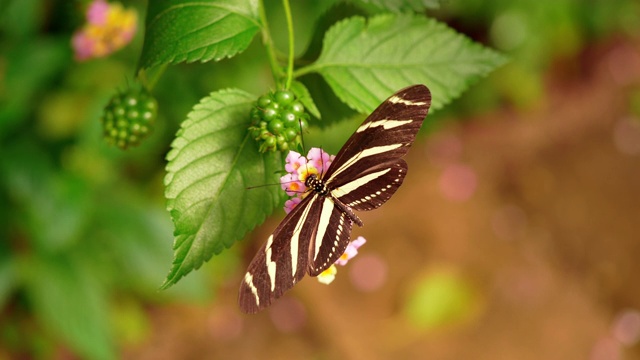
334,110
365,62
302,93
404,5
212,162
188,30
8,277
70,302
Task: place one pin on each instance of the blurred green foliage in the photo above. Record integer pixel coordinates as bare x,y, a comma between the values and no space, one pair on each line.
85,237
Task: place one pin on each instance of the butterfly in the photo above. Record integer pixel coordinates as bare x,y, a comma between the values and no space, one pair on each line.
365,173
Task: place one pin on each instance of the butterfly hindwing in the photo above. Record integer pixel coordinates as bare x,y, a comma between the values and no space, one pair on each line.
332,238
373,187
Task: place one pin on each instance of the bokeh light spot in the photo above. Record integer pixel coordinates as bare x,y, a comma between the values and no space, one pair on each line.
288,314
225,325
626,136
368,272
606,348
626,327
458,182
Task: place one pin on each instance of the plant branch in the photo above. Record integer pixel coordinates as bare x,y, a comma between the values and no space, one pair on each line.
287,12
270,48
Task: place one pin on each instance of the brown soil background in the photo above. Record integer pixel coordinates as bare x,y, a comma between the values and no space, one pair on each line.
550,284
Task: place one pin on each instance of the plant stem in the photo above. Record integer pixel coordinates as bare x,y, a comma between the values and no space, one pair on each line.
287,12
268,43
149,77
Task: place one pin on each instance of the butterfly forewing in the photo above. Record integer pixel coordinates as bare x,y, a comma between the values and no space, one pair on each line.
385,135
365,173
283,260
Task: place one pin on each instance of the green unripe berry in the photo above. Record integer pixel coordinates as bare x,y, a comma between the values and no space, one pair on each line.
304,124
263,101
270,141
283,97
129,117
289,119
276,121
270,113
297,108
275,127
290,134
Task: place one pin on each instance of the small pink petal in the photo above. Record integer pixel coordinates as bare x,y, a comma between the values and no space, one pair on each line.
291,204
351,251
97,12
292,161
82,45
359,241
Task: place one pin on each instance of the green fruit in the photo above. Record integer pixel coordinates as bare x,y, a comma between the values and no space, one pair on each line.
275,127
129,117
263,101
297,108
283,97
276,120
289,119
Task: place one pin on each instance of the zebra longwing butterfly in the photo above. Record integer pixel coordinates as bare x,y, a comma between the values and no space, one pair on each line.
365,173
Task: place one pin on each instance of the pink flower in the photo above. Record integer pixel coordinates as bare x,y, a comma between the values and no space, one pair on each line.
109,27
294,161
351,251
292,185
291,203
298,169
319,159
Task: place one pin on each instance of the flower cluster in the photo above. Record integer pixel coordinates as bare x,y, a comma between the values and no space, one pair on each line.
109,27
298,169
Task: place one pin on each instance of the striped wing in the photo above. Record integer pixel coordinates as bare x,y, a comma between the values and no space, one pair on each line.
371,161
292,250
373,187
332,238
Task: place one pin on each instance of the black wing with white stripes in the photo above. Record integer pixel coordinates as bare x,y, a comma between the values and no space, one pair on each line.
365,173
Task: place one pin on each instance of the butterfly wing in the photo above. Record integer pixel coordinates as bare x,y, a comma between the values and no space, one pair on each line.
332,238
283,260
373,187
371,159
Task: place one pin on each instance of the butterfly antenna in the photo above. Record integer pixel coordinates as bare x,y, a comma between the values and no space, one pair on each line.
322,162
259,186
304,149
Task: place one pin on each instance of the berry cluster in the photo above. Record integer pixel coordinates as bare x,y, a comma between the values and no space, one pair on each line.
276,121
129,117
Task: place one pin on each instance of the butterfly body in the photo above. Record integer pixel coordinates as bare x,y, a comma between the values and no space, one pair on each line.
365,173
